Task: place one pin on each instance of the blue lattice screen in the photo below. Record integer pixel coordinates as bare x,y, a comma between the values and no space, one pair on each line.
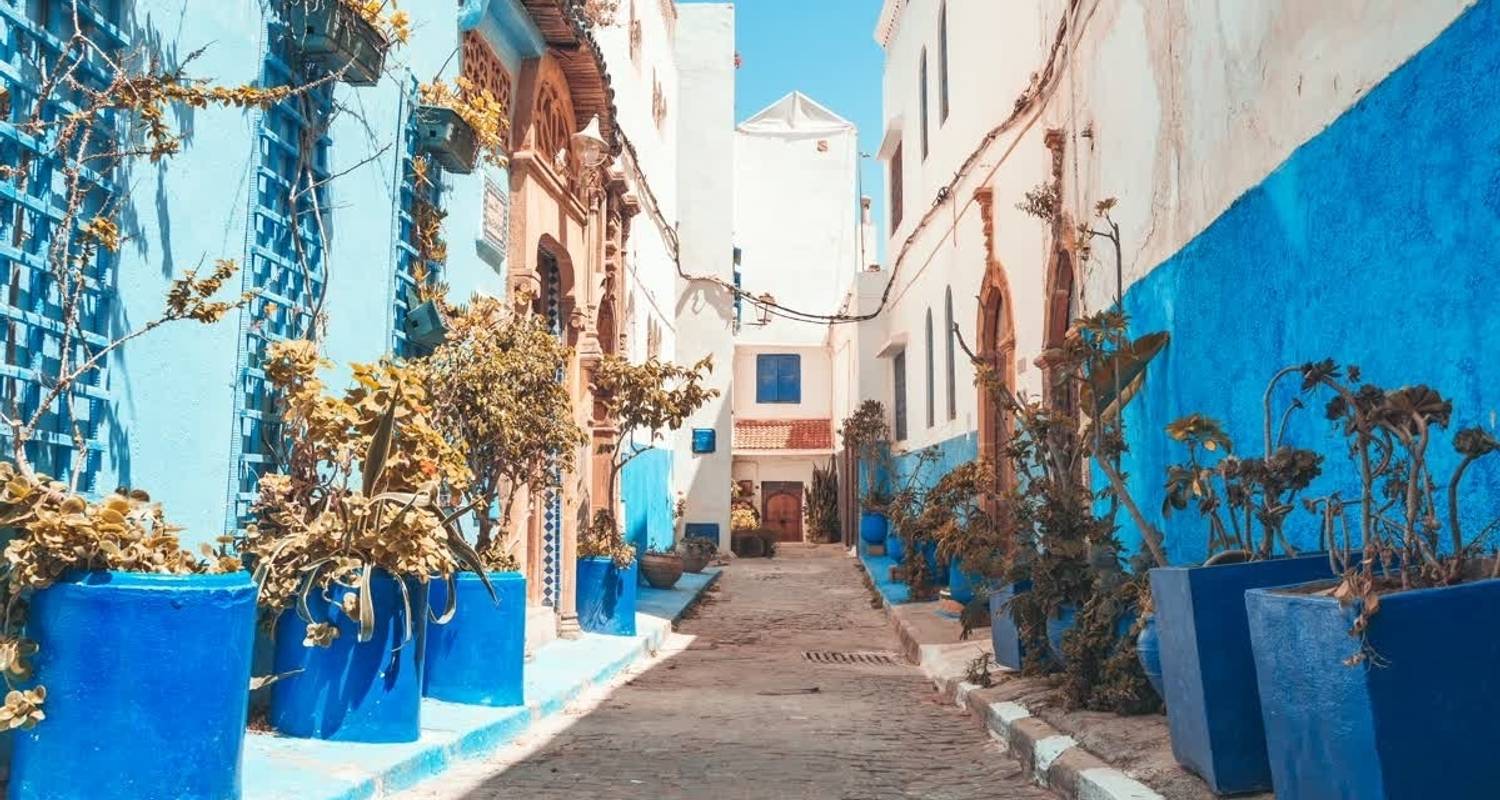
285,258
405,295
32,208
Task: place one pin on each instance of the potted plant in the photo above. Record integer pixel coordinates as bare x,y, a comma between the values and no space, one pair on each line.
112,631
1381,667
868,435
643,398
496,398
1200,627
457,124
344,542
348,38
662,568
697,552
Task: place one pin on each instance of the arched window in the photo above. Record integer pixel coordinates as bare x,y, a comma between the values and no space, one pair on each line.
922,81
951,380
943,64
931,406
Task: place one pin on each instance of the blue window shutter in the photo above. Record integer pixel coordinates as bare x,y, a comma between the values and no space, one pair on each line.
765,379
789,380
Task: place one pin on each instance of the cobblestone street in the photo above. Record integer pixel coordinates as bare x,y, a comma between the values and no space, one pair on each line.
733,709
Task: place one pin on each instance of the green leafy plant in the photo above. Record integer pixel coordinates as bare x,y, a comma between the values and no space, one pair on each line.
495,396
647,398
868,435
359,491
822,502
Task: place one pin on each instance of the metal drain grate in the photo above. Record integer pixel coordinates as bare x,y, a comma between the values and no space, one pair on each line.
831,657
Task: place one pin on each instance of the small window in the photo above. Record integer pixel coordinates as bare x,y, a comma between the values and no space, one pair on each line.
778,378
922,78
948,334
943,64
896,189
931,373
898,402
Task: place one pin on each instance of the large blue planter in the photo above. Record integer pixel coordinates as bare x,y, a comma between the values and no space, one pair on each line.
1418,724
477,656
895,547
1060,623
1208,670
1148,652
1004,635
873,527
352,691
147,678
606,596
962,586
938,571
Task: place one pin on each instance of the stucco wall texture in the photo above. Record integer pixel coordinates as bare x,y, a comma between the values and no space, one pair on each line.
1372,244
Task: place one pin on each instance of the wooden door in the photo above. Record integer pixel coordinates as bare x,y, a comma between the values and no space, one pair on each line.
781,509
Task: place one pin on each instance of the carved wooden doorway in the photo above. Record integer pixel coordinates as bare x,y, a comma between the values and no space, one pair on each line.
781,509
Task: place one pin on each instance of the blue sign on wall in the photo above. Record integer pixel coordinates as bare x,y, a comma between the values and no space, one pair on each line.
701,530
705,440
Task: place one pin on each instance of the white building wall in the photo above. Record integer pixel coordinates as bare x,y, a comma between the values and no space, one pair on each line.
796,218
1175,110
705,310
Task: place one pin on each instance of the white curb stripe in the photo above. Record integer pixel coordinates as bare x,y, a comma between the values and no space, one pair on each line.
961,693
1006,713
1048,750
1107,783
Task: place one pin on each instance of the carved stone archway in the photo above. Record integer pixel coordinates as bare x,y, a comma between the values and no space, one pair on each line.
996,346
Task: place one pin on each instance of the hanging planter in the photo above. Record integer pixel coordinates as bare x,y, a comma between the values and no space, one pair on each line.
334,36
146,680
425,326
606,596
477,657
348,690
447,138
1208,668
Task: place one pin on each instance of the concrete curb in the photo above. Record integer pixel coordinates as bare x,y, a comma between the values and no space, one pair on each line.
283,768
1054,759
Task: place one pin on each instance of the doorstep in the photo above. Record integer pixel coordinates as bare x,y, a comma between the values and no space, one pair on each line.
1082,755
285,768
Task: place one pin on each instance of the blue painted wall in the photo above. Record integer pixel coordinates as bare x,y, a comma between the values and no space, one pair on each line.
952,453
1374,243
646,490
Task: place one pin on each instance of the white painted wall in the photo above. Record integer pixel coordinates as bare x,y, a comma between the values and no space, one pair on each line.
705,311
796,217
1175,110
817,383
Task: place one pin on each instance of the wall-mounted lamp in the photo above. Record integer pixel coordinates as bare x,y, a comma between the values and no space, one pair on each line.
590,145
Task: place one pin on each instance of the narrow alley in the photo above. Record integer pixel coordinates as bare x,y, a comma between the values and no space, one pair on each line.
734,709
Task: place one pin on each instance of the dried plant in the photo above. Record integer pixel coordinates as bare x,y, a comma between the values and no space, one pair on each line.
359,491
393,24
641,398
866,433
496,397
478,107
823,504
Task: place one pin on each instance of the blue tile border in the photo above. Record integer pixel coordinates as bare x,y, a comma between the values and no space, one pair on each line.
283,768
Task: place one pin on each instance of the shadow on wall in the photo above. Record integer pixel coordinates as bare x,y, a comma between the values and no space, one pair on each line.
1373,244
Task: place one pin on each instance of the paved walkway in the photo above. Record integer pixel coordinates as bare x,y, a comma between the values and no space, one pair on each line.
733,709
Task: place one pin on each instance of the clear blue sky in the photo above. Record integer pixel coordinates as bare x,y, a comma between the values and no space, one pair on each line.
827,50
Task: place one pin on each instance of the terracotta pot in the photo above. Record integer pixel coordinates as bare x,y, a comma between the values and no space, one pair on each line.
662,570
695,560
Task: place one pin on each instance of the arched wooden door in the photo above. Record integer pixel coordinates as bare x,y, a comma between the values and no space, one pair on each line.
781,509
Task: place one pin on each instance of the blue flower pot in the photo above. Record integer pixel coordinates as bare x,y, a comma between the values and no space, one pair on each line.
939,572
1148,651
1060,623
1004,634
606,596
352,691
1208,669
147,679
476,658
1420,723
962,586
873,527
895,547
